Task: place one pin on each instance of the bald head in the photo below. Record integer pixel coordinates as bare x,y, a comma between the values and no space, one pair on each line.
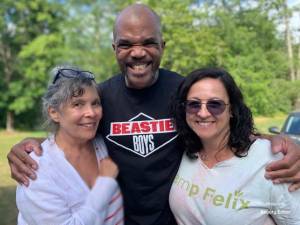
133,14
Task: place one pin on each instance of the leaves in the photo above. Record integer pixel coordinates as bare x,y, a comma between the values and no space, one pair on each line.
241,36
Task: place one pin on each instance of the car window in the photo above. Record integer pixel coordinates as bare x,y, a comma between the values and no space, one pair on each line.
293,125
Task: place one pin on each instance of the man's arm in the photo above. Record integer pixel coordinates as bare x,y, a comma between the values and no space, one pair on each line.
286,170
22,166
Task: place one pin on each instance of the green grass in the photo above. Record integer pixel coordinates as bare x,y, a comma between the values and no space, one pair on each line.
263,123
8,211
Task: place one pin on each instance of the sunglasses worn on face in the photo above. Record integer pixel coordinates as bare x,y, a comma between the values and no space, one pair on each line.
70,73
213,106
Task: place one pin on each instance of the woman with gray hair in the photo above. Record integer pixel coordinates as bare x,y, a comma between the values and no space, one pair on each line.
76,182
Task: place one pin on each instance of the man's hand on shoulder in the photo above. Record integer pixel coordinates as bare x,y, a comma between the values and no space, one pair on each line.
286,170
22,166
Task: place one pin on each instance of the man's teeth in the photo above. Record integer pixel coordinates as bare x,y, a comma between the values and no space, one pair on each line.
139,66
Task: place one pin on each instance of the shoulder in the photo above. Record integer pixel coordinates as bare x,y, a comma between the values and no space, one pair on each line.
100,147
44,174
111,82
51,158
165,71
169,81
45,159
261,150
170,76
51,166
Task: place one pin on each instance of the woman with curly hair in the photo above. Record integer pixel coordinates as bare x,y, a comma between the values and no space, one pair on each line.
221,175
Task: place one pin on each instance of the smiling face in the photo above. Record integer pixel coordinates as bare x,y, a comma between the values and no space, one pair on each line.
79,117
207,126
138,46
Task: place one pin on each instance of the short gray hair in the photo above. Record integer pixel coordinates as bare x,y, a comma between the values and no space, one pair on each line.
61,92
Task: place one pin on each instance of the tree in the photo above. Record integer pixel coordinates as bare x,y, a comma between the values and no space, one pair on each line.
297,9
284,13
87,31
239,35
288,38
21,23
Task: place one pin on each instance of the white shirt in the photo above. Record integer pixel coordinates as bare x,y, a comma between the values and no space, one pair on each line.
59,196
234,191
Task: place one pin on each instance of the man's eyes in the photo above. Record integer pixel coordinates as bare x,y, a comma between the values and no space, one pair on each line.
150,44
124,46
145,45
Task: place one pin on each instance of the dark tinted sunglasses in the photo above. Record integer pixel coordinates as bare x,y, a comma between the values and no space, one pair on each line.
213,106
70,73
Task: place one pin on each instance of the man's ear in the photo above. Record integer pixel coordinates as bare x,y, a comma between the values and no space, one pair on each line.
113,46
53,114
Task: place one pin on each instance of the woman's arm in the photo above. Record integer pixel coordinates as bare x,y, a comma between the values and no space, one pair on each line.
44,203
285,206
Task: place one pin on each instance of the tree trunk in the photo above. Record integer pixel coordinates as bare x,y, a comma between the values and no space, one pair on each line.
298,67
9,121
288,40
6,56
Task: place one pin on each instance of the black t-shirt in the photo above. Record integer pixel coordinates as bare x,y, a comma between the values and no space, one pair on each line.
141,139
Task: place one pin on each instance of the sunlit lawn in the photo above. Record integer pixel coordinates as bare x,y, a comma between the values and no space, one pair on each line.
263,123
8,210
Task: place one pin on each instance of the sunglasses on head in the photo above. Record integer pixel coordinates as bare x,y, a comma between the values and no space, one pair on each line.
213,106
71,73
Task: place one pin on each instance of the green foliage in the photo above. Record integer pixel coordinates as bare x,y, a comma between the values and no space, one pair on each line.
27,50
240,36
88,34
38,58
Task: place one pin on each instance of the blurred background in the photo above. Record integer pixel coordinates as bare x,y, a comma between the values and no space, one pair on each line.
257,41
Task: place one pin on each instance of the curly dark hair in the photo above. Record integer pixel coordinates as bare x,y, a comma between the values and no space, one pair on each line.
241,122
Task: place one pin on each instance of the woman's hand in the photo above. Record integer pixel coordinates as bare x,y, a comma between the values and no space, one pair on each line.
108,168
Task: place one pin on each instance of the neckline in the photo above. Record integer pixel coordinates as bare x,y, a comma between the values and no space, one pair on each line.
224,163
72,170
142,90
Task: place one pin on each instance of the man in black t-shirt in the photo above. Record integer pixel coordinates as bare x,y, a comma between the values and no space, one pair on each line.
136,124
